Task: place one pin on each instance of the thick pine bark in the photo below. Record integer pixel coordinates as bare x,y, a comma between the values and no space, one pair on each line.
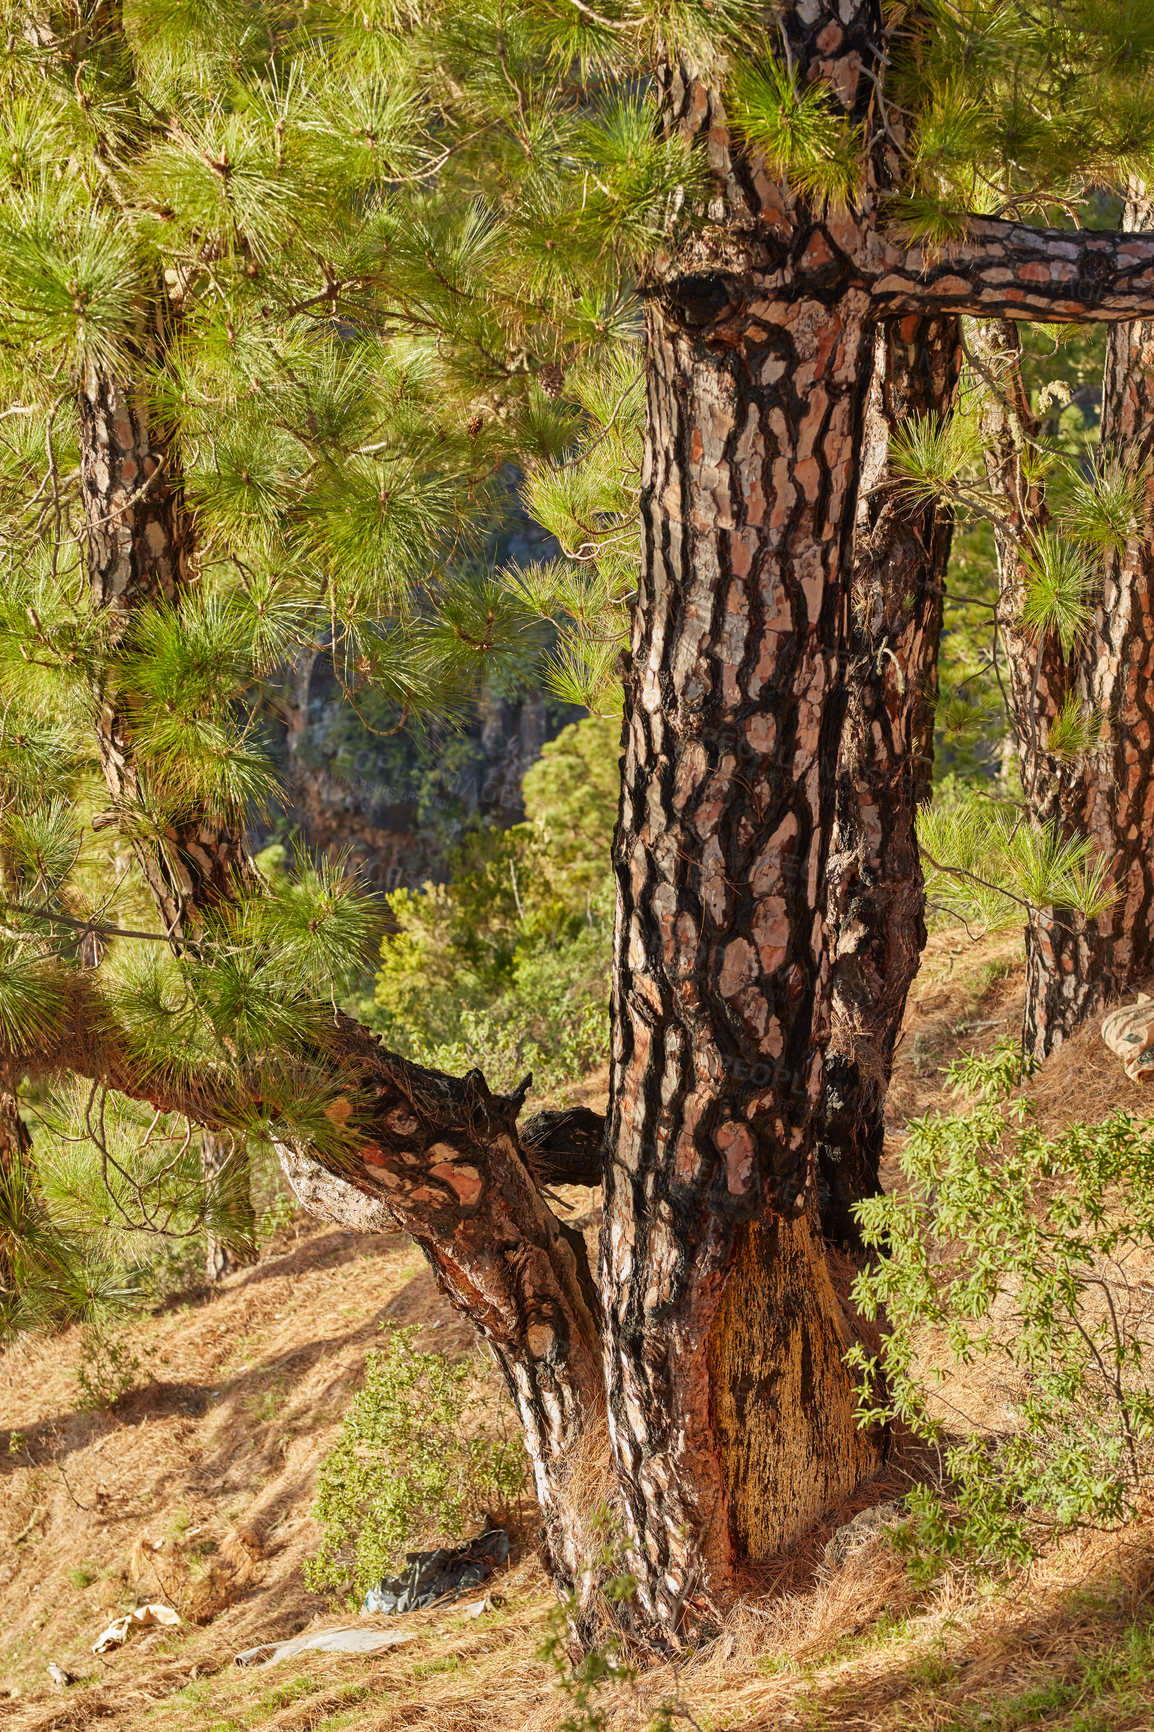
876,909
731,1412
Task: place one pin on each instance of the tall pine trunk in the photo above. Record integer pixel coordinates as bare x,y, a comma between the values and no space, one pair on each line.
876,911
1074,965
726,1317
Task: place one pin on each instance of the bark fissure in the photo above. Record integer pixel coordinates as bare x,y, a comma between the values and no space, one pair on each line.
876,899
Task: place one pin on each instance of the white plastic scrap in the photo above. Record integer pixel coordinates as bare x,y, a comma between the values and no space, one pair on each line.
120,1629
343,1641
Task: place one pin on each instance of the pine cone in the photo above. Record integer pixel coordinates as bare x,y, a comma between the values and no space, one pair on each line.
473,425
551,379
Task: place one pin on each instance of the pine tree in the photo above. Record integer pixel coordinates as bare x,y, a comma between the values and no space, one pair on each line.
286,290
1079,699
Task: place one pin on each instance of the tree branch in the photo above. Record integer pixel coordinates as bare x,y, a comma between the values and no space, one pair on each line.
1006,270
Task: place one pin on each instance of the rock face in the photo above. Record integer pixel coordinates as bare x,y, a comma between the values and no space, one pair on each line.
396,798
393,794
864,1527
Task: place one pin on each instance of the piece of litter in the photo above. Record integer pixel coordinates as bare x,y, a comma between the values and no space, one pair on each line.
439,1575
1129,1032
476,1607
119,1630
343,1641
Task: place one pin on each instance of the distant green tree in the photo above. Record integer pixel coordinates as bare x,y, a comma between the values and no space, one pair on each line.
508,963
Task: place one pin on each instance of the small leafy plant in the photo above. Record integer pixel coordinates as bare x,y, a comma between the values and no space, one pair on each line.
107,1368
1013,1275
422,1454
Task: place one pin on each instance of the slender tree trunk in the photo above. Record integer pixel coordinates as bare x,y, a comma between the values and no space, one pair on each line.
1077,966
876,894
15,1142
1036,675
139,543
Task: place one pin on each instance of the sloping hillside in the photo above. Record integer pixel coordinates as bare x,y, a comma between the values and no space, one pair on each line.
196,1489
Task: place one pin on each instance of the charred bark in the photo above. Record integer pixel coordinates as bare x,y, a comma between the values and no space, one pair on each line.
731,1412
876,908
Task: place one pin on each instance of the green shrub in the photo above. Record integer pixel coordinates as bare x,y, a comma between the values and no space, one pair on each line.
507,966
107,1368
423,1454
1015,1266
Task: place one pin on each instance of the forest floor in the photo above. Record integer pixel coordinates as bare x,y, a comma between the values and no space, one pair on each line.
196,1488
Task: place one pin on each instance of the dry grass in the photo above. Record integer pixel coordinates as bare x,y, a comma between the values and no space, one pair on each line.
197,1489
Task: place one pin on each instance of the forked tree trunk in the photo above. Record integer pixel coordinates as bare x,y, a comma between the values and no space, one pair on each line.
439,1157
731,1412
876,912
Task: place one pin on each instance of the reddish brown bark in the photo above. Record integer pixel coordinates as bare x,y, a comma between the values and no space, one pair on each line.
876,905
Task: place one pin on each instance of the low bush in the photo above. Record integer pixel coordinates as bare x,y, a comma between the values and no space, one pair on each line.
108,1366
424,1454
1014,1273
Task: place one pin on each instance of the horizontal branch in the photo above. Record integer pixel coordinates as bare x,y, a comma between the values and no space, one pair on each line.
436,1155
1004,270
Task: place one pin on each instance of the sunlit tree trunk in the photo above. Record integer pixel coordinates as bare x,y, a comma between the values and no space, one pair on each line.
1077,966
731,1412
